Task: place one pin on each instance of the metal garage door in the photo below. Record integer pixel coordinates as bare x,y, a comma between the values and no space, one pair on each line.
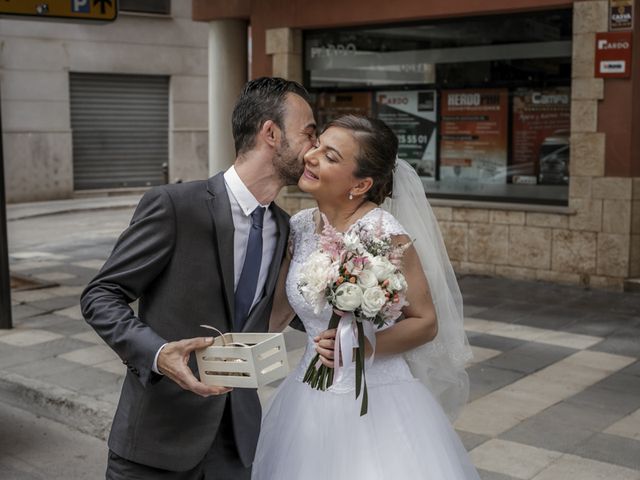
120,126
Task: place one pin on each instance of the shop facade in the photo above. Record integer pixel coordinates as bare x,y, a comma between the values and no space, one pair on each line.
530,159
90,109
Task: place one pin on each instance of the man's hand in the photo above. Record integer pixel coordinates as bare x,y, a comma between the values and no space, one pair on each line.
325,344
173,363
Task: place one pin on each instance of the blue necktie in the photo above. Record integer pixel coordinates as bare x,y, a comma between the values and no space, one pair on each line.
246,289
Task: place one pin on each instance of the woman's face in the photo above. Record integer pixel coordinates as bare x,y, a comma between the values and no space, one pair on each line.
330,165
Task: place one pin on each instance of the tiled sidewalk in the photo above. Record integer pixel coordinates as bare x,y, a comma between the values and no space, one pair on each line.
555,380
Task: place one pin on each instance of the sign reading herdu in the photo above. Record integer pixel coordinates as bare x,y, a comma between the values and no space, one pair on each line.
613,55
93,10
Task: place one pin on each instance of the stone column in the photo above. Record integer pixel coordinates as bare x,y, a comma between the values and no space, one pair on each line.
285,44
285,47
635,237
596,243
227,75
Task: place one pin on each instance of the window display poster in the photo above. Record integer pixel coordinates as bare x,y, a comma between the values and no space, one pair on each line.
541,124
412,117
332,105
473,144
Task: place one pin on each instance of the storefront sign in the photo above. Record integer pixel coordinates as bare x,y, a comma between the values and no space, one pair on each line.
412,117
613,55
621,15
332,105
540,141
93,10
473,145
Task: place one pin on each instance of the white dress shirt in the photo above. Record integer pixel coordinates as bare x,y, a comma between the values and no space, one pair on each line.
242,204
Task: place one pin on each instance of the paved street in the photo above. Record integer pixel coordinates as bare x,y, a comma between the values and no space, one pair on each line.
555,380
35,448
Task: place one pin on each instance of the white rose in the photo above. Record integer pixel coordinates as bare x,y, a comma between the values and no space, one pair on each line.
314,274
367,279
382,268
352,241
373,300
397,283
348,297
317,273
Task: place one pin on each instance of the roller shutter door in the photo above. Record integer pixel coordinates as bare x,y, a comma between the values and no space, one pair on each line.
120,127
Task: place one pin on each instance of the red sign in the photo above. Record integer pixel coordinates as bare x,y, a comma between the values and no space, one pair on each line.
613,55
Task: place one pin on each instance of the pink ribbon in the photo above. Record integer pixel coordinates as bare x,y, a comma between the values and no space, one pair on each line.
347,340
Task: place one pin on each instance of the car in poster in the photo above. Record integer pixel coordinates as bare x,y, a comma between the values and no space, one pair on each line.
554,159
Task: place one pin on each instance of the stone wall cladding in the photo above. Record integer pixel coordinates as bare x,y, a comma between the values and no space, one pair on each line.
594,242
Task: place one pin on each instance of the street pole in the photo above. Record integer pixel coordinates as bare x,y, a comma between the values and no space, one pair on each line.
5,282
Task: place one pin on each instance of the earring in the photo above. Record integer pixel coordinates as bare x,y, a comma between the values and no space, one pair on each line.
350,196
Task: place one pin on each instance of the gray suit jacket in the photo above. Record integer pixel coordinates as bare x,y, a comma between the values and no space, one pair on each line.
176,257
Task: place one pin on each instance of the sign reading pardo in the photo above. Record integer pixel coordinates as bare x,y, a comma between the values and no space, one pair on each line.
613,55
92,10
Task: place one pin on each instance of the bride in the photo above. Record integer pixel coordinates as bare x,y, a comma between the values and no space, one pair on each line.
311,434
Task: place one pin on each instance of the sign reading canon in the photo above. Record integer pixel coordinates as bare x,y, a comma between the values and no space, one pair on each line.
613,55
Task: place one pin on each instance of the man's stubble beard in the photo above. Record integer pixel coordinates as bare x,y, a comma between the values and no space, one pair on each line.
287,164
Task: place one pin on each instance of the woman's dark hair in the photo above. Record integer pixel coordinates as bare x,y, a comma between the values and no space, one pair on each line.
261,99
377,155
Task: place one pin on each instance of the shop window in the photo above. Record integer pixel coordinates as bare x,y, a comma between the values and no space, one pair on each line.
160,7
481,106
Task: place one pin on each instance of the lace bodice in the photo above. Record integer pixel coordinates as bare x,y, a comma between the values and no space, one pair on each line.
304,241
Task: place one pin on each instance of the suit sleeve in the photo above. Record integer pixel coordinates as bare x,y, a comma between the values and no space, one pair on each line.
139,256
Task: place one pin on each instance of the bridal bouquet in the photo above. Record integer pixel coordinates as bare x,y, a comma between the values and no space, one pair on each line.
358,274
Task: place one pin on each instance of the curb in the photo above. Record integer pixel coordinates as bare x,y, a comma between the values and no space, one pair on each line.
120,206
80,412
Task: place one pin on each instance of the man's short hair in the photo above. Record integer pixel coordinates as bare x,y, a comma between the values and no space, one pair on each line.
261,99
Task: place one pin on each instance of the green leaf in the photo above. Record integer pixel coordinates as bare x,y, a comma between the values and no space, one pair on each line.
334,320
365,401
321,378
361,371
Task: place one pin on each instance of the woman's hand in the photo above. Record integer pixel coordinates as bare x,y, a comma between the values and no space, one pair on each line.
325,345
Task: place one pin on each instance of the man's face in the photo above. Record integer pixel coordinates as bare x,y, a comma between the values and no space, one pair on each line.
299,136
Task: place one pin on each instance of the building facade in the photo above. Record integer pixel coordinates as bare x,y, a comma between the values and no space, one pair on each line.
531,161
92,108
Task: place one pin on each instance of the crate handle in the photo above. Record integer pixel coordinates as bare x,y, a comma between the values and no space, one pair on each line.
224,341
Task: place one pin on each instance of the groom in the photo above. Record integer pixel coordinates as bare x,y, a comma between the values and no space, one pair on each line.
203,252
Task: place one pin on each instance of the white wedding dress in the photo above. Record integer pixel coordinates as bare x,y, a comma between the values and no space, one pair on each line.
309,434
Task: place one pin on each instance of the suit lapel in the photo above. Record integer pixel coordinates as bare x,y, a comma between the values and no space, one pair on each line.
220,210
282,222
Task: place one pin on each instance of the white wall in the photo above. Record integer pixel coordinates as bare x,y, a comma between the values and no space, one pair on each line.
35,60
